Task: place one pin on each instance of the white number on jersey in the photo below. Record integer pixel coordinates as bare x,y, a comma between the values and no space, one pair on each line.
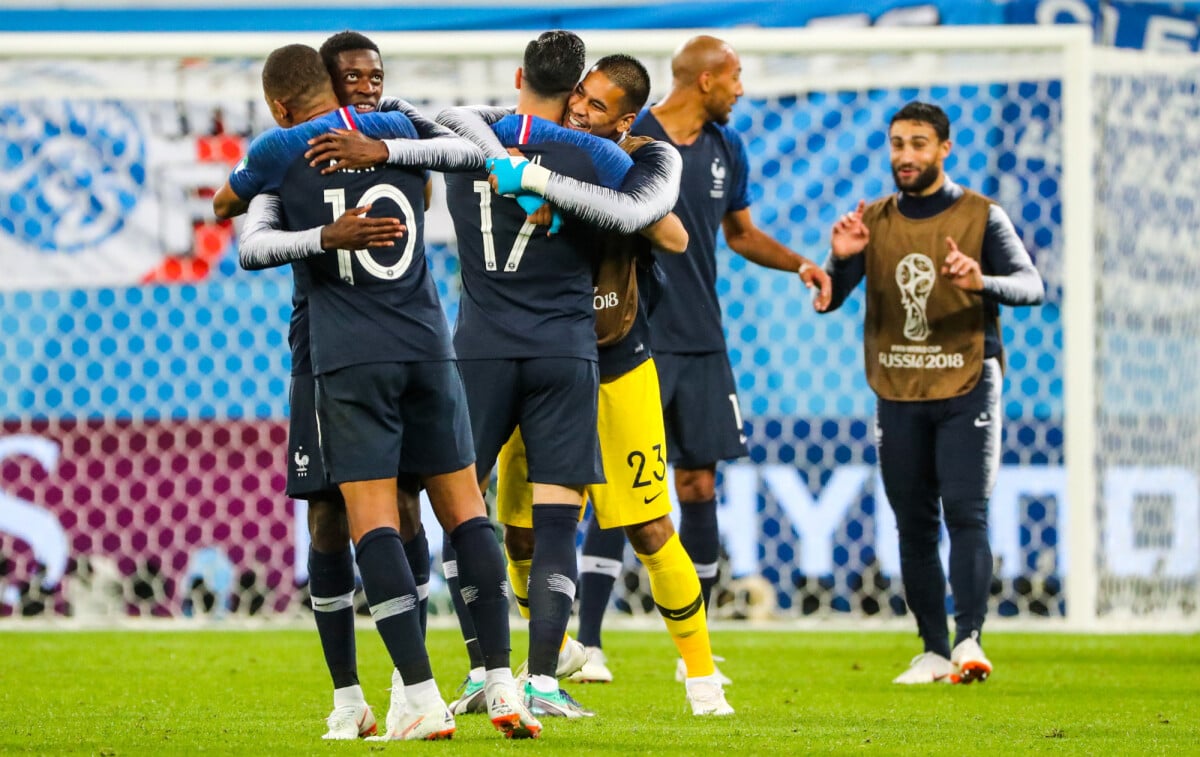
484,190
337,199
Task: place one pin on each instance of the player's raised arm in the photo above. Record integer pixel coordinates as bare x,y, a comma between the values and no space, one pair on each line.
475,124
845,264
648,193
386,137
257,172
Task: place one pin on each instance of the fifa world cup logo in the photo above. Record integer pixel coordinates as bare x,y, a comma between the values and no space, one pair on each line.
915,276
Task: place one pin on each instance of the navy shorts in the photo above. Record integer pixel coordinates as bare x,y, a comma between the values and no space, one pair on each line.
381,419
700,409
306,477
946,448
553,400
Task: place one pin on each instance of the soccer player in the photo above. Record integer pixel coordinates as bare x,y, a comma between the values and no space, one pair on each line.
634,499
356,71
938,260
699,398
388,395
526,343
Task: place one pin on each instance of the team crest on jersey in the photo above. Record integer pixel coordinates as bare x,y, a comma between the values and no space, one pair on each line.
718,177
301,462
915,277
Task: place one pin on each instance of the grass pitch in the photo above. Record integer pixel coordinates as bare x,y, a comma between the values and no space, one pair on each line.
266,692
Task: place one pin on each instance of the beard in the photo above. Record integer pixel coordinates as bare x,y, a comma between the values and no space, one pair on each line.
923,180
719,116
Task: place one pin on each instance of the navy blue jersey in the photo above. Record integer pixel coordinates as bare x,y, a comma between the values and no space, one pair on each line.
298,328
526,294
364,306
716,181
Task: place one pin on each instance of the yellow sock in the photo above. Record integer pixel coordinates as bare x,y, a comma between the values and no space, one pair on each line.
518,580
676,590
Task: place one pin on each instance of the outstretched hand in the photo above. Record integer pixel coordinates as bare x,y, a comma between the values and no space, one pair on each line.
815,277
962,270
850,235
342,148
353,230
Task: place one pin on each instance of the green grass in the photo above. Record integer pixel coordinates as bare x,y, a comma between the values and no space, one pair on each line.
266,692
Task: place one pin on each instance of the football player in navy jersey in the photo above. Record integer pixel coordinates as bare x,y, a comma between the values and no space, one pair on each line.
634,499
526,342
699,397
356,71
388,395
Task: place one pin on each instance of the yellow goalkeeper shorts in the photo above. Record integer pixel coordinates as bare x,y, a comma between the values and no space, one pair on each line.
633,447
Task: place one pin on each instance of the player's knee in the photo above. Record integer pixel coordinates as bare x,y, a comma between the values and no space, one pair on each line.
518,542
965,513
327,525
647,538
697,485
408,506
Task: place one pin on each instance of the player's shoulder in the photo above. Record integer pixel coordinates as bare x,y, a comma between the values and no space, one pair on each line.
389,124
632,143
646,124
726,135
270,141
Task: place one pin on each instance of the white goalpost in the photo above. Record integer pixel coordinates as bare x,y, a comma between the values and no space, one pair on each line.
1096,516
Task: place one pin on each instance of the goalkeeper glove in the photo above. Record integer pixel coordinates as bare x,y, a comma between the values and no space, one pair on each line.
531,203
514,174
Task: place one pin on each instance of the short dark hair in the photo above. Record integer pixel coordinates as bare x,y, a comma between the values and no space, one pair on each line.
344,42
628,73
926,113
553,63
294,73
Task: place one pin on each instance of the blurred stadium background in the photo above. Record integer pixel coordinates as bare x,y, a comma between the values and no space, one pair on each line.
143,398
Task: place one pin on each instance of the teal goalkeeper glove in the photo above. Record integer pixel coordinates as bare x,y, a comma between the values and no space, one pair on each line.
508,172
514,174
531,203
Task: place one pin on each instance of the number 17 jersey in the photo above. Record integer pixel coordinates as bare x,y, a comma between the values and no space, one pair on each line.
526,294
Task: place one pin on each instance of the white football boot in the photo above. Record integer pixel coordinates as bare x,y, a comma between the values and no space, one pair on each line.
350,722
928,667
706,696
595,668
971,663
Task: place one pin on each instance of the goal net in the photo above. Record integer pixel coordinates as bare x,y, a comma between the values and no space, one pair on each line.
144,398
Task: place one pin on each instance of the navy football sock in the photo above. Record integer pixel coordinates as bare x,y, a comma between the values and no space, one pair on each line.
417,554
392,595
331,586
551,583
700,537
483,584
603,550
465,624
